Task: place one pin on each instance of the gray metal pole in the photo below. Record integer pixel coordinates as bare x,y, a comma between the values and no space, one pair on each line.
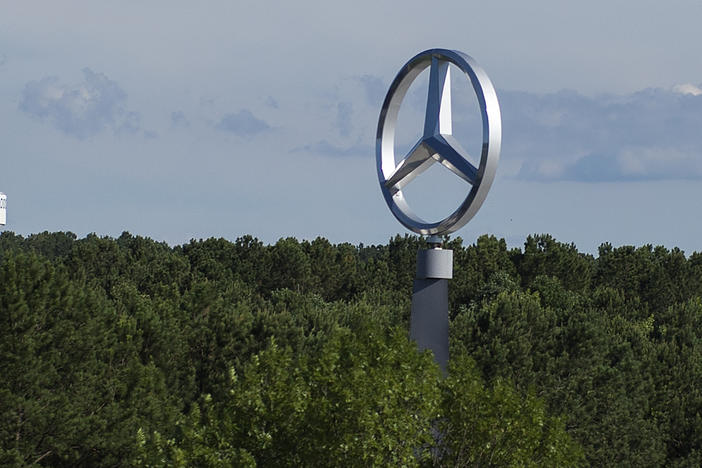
429,324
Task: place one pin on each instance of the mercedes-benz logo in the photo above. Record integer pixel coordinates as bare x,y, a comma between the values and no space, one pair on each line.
437,143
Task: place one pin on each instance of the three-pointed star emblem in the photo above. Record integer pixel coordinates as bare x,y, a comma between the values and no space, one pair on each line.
437,142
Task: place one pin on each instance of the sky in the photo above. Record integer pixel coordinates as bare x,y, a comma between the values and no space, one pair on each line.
185,120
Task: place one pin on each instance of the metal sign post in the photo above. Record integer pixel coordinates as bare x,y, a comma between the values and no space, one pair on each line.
429,318
429,324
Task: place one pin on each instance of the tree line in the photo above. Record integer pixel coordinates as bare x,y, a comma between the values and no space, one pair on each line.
130,352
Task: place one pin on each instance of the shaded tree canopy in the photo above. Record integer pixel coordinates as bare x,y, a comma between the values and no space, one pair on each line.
127,351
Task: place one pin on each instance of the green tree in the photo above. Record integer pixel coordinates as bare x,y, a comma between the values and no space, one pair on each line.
475,266
543,255
73,389
292,268
678,373
495,426
365,399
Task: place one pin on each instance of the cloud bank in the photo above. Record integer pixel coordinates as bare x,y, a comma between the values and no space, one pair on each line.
654,134
242,123
80,110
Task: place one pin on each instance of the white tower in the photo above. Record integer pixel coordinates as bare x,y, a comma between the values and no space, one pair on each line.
3,209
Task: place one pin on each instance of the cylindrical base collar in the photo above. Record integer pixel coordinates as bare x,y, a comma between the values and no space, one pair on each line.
435,264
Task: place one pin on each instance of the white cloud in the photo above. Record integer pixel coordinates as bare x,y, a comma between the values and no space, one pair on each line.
242,123
660,163
81,110
687,88
542,170
648,135
626,165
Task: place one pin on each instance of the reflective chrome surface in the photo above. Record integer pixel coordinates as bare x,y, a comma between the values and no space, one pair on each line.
437,143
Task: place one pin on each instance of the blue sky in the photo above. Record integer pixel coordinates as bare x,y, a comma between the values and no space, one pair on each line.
180,120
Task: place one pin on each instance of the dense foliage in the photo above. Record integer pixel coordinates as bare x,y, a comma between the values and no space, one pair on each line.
123,352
